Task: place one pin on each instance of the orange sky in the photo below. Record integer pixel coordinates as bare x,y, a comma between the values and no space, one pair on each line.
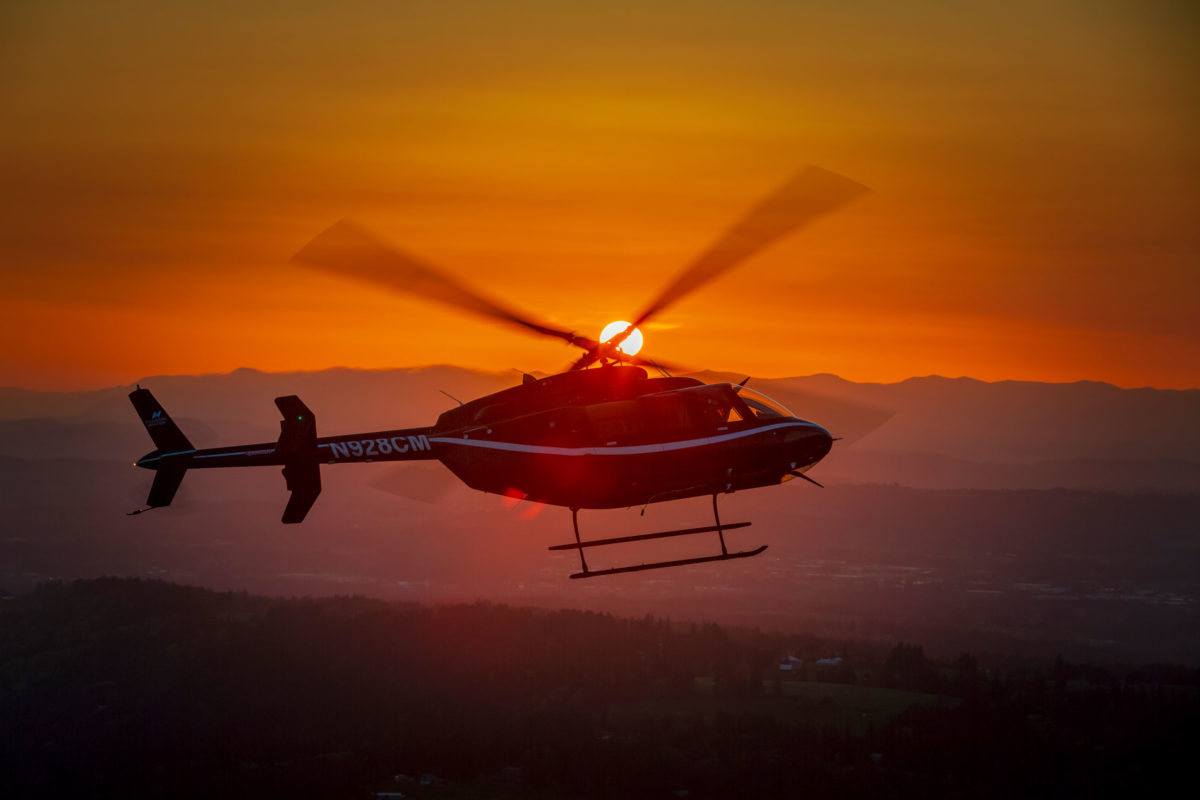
1034,167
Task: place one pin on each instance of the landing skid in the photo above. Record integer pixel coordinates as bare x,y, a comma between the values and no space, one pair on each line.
644,536
664,564
720,529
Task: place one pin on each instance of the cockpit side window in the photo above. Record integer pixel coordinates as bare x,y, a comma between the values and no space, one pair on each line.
701,410
761,410
722,408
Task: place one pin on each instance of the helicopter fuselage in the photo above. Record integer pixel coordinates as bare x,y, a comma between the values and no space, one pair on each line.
613,437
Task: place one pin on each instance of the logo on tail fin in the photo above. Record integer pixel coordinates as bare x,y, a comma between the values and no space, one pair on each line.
165,433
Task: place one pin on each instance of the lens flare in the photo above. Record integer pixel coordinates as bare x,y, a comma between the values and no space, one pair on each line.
632,343
512,497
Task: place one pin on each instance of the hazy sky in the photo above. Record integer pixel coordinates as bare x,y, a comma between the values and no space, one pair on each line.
1035,211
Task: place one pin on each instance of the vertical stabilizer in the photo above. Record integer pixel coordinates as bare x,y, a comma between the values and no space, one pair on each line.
173,454
162,429
166,483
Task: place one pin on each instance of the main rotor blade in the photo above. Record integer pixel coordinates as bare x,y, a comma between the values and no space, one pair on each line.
595,354
584,361
347,250
809,194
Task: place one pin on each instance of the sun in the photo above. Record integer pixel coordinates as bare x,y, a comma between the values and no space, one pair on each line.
632,343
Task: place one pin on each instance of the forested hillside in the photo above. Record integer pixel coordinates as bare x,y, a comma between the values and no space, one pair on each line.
123,688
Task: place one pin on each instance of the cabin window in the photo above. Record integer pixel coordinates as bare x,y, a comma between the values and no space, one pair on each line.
615,421
671,413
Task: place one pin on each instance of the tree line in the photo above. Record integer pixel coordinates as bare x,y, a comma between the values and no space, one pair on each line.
123,687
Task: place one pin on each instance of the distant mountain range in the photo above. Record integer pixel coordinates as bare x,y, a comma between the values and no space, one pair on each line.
927,432
941,522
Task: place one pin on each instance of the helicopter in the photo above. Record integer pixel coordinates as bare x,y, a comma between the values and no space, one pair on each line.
603,434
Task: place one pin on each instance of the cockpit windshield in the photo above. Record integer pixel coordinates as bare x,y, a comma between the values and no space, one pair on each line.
762,406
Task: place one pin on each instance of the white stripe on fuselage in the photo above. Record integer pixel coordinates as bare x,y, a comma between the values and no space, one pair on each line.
626,450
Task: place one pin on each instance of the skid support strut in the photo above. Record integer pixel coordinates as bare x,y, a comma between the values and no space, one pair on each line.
720,533
579,544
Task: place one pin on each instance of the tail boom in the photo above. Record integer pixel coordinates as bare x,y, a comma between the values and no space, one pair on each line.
299,451
405,444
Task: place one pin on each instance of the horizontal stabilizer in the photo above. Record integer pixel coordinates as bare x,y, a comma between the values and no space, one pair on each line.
297,429
304,482
298,443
